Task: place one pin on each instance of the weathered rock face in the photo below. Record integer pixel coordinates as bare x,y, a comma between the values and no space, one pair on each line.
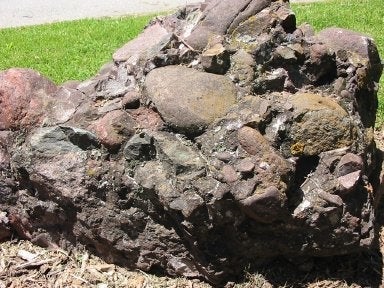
189,100
221,136
24,95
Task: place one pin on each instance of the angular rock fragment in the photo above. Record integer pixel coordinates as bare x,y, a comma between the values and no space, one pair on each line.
113,128
215,59
218,17
140,45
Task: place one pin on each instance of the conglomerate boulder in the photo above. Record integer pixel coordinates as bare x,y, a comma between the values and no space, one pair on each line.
220,136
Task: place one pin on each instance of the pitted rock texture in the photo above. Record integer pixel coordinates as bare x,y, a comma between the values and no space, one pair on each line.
222,136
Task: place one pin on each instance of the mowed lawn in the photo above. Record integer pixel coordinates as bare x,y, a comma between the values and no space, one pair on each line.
73,50
77,49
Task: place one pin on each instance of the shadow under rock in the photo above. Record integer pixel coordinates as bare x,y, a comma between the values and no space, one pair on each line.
355,270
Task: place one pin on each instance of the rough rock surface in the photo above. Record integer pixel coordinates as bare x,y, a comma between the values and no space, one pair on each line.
189,100
231,137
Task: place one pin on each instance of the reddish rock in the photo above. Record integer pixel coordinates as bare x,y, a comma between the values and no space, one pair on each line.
224,156
349,181
265,207
114,128
219,16
304,30
245,166
349,163
20,224
147,119
229,174
321,65
188,203
24,95
251,140
4,229
317,53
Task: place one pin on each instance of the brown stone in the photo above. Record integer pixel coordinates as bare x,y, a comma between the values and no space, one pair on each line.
215,59
131,100
245,166
189,100
321,125
250,33
146,119
349,181
229,174
266,207
218,16
4,229
251,140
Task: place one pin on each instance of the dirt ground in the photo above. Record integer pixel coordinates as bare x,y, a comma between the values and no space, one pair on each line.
25,265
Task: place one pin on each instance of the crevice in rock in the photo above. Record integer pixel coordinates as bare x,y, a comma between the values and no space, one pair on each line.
305,166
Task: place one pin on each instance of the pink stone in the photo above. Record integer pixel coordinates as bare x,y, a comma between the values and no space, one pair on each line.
113,128
229,174
349,181
24,97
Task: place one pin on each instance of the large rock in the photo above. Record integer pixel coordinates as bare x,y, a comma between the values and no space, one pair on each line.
320,124
361,47
220,137
354,49
219,16
189,100
24,95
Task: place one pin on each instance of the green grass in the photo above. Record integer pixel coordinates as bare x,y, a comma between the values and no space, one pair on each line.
366,16
77,49
67,50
